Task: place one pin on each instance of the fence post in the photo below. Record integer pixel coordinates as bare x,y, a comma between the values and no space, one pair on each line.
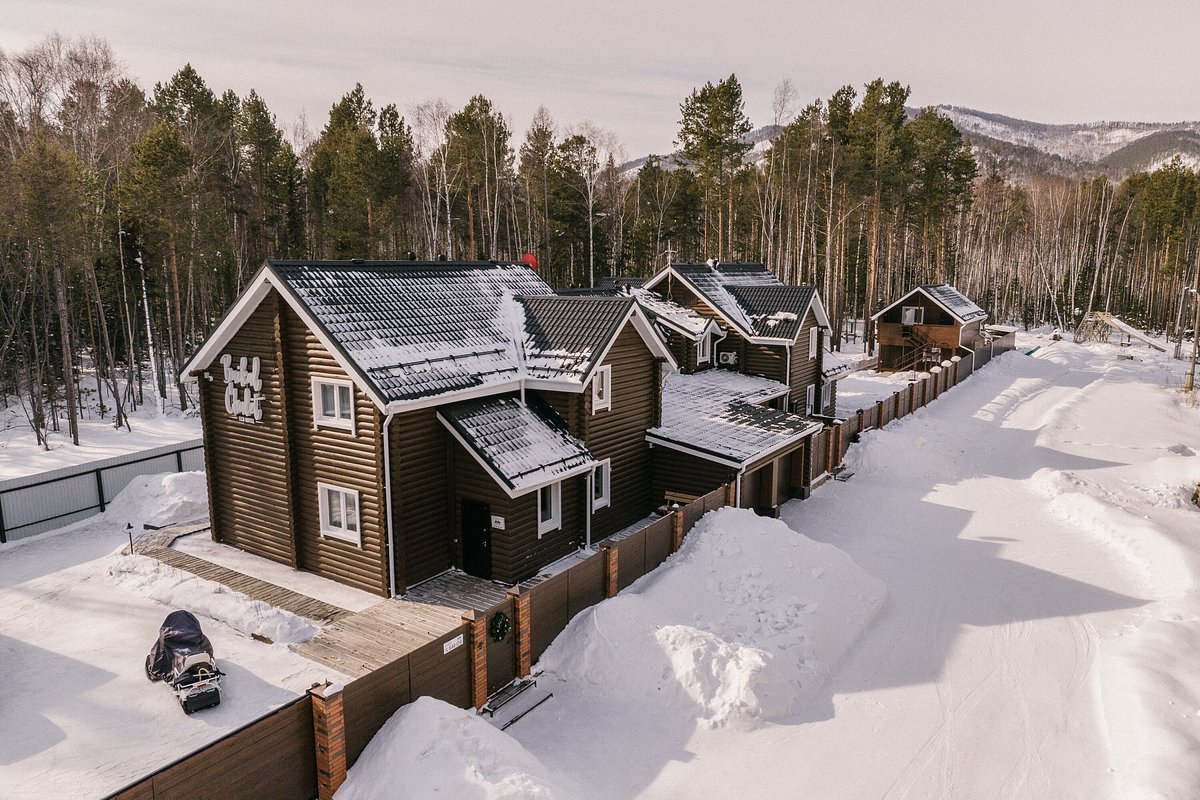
329,730
610,570
477,642
835,447
3,538
879,414
522,629
730,493
895,405
860,422
676,530
100,489
956,360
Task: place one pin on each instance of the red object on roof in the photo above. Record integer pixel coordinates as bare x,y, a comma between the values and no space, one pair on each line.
530,259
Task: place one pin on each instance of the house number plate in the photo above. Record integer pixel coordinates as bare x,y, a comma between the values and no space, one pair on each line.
453,644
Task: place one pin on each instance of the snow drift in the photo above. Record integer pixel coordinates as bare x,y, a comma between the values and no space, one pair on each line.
743,625
430,748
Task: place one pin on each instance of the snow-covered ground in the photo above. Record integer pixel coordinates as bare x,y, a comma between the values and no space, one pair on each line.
79,718
1039,638
21,455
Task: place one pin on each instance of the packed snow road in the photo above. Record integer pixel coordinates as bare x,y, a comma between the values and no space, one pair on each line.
1039,639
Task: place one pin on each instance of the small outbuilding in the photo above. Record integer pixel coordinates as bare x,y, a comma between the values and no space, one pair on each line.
926,326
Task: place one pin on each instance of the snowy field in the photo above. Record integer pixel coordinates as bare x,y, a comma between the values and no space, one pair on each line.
1038,639
21,455
79,718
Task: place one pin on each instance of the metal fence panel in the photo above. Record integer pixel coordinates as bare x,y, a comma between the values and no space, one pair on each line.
118,477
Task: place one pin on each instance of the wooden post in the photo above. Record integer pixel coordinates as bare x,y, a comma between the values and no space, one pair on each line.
477,643
861,425
522,629
676,530
895,405
835,448
730,493
329,733
610,570
879,414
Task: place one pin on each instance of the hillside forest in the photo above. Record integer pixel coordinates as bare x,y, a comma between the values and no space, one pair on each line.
130,217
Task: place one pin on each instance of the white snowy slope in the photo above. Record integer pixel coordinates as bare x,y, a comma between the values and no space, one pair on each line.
1039,637
79,718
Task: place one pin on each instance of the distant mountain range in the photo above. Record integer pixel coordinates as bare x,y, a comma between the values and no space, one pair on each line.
1112,148
1021,148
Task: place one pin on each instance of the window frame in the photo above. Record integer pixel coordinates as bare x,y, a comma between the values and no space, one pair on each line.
328,530
918,315
337,421
555,521
605,499
602,389
813,341
704,349
826,394
810,396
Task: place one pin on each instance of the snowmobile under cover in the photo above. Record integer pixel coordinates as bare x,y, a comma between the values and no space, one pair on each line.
183,658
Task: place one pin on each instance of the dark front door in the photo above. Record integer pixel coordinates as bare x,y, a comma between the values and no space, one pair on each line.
477,539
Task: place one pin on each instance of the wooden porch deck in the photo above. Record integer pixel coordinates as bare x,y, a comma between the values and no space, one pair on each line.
356,644
351,643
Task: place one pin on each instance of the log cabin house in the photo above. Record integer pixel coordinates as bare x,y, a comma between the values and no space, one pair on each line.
926,326
379,423
752,388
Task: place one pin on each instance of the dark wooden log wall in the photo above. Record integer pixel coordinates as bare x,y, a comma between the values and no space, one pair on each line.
619,433
421,503
680,472
804,370
338,457
517,552
249,483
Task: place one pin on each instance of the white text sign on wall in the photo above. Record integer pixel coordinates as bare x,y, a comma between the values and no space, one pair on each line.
243,388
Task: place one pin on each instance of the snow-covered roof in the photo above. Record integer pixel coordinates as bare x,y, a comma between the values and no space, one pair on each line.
566,336
671,315
956,304
749,297
523,445
713,414
412,333
833,367
417,329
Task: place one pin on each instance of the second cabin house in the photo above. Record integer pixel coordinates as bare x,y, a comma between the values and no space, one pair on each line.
926,326
378,423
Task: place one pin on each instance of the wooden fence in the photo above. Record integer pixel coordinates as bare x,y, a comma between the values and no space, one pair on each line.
48,500
274,756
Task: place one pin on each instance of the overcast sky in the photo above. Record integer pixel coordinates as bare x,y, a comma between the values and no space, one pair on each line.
627,66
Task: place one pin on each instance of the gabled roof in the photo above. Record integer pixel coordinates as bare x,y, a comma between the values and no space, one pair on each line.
775,311
565,337
522,445
413,333
713,414
749,298
674,317
952,301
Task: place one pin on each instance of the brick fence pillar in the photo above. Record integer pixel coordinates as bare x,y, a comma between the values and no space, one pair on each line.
329,733
731,493
477,651
956,361
676,530
895,405
610,570
522,626
879,414
834,456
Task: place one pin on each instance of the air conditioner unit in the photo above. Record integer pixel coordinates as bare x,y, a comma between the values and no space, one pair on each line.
727,358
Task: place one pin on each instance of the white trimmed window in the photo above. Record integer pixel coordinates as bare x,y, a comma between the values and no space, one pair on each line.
602,485
333,404
704,349
549,508
813,342
912,315
809,396
826,394
339,513
602,389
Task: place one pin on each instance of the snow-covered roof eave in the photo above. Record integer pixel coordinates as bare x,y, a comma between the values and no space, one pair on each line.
255,292
731,459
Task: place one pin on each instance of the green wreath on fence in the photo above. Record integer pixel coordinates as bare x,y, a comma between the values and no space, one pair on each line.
499,626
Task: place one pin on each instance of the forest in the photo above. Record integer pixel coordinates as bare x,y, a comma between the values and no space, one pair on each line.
130,217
